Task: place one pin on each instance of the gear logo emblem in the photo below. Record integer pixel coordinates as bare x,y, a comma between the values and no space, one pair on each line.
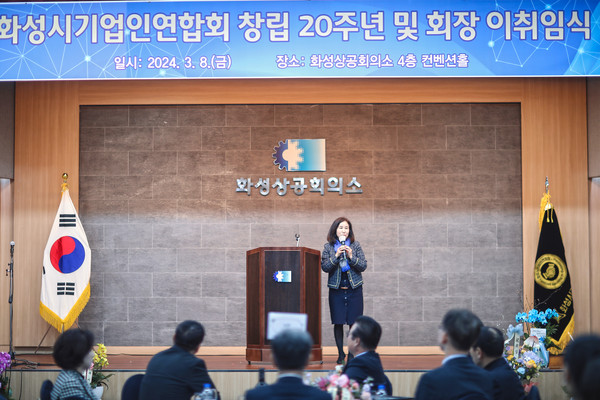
287,155
300,155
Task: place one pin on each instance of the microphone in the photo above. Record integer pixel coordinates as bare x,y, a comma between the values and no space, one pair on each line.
12,248
261,378
342,241
297,236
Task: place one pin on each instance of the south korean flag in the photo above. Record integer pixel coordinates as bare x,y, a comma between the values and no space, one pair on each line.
66,268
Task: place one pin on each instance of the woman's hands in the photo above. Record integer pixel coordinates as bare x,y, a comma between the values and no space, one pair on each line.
343,248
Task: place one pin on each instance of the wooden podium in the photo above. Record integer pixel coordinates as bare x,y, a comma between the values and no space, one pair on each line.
265,294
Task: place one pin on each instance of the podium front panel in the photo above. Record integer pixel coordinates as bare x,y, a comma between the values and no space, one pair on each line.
264,294
313,296
282,296
252,292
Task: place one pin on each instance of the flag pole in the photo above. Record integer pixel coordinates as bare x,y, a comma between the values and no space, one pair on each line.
64,187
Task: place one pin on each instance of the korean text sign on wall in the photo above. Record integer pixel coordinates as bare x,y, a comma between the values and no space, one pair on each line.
237,39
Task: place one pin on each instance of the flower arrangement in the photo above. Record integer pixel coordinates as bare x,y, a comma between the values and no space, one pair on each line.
527,359
5,362
100,361
541,320
340,387
527,365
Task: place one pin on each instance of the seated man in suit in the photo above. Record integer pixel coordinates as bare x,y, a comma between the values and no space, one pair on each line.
458,377
363,339
291,349
176,373
582,367
487,354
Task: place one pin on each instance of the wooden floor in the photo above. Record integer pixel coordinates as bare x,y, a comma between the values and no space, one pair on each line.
127,362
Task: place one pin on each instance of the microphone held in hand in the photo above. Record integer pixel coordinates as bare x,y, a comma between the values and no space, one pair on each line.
343,243
343,259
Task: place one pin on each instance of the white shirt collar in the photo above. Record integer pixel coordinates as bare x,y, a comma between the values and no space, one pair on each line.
289,375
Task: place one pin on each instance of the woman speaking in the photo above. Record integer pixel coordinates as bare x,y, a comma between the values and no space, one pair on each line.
344,260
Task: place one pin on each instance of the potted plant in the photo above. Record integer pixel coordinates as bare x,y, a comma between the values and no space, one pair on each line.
5,362
99,379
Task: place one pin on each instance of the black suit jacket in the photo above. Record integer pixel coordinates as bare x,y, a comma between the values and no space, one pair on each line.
458,378
506,381
288,388
174,374
368,365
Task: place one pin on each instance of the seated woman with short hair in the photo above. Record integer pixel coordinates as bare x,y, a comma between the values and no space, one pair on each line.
73,353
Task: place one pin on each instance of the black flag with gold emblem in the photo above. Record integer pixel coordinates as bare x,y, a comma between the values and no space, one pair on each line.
552,288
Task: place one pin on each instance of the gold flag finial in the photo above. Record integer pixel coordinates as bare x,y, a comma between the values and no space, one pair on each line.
65,185
545,205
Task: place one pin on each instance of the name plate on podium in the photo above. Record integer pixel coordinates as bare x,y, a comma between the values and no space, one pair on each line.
282,276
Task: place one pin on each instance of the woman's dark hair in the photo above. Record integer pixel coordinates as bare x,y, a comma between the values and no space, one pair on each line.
332,235
71,347
582,359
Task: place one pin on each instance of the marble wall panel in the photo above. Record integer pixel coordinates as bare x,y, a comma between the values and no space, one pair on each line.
439,218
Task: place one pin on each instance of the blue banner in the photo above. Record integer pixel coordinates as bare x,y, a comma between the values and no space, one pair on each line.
266,39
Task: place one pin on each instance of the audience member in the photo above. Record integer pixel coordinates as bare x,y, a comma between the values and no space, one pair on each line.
582,367
458,377
176,373
487,353
363,339
73,354
291,350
